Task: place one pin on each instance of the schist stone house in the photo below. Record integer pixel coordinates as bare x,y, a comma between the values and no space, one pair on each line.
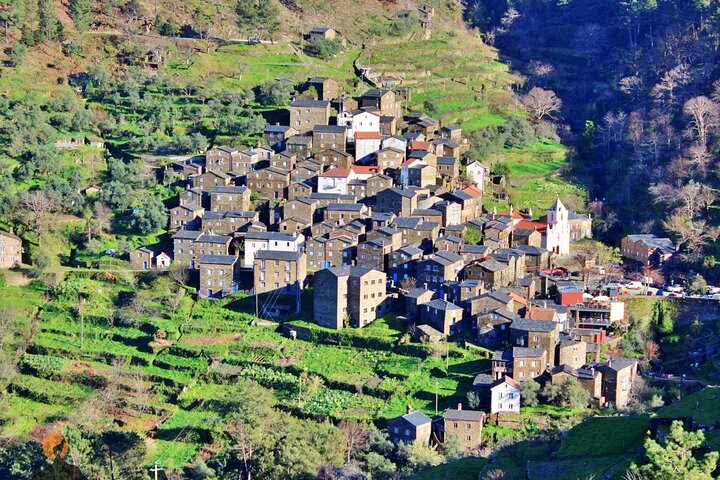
306,114
279,271
410,428
647,249
348,294
10,250
218,275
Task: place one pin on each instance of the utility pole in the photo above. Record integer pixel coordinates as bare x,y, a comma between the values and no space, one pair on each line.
436,396
156,469
81,311
257,307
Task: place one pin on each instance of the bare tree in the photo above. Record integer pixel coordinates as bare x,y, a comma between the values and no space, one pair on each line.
705,117
243,446
408,283
693,234
675,78
355,436
541,103
651,351
37,205
180,274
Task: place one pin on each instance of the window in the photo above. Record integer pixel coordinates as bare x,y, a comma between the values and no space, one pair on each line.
469,438
262,264
209,272
468,426
536,338
455,424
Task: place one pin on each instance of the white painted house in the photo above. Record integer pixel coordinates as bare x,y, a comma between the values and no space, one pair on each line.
505,396
335,180
478,174
366,144
557,238
363,121
283,242
395,142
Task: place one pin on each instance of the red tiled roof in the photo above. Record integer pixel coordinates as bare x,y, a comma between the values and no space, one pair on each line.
410,161
531,225
518,298
365,170
367,136
418,145
539,313
515,215
473,191
337,172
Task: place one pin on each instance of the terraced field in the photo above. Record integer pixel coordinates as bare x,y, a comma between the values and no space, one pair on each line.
168,374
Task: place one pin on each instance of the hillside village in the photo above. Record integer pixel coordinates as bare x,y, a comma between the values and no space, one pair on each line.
369,207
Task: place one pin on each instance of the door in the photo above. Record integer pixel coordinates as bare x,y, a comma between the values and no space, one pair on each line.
144,265
210,293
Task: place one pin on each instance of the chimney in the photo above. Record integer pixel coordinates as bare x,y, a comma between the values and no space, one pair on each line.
445,296
408,409
459,406
530,213
425,285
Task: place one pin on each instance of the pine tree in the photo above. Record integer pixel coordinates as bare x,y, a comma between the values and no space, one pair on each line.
81,13
49,27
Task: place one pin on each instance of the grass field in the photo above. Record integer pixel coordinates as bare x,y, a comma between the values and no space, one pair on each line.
465,468
703,407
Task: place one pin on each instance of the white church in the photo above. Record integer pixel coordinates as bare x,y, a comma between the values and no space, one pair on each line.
557,237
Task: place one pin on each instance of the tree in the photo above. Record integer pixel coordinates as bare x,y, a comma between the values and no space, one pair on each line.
323,48
379,467
692,234
151,217
672,458
269,17
431,107
81,13
651,350
417,456
570,393
675,78
705,117
696,285
355,437
541,103
452,448
529,393
37,206
408,283
274,93
49,27
12,15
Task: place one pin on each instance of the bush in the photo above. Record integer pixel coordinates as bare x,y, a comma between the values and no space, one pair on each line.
322,48
404,25
17,53
274,93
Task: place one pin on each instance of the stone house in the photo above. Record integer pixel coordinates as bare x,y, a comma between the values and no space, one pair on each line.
528,363
305,114
185,217
389,158
297,190
403,263
647,249
580,226
536,258
343,213
442,315
410,428
326,88
218,275
285,160
229,199
428,215
322,33
448,167
589,378
491,272
400,201
447,149
572,353
227,223
270,183
441,267
473,253
377,183
220,158
384,100
388,125
374,253
140,259
387,233
279,271
466,425
329,136
535,334
347,291
194,196
300,144
184,249
294,224
451,216
470,199
526,237
450,243
303,207
451,132
367,144
276,136
209,179
335,158
618,377
331,250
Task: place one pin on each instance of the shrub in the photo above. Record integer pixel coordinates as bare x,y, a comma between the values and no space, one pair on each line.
274,93
322,48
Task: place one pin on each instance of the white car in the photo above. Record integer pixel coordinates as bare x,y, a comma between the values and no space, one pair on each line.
634,285
675,289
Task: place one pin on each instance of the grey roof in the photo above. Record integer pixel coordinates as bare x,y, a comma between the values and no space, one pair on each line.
329,129
440,304
492,265
406,222
374,93
418,154
349,271
417,292
427,226
228,189
207,238
447,256
479,249
533,325
532,251
285,237
427,211
346,207
187,235
618,363
277,255
446,160
405,192
277,128
310,103
527,352
298,140
500,297
503,356
450,238
320,29
410,250
472,415
219,215
483,380
452,127
219,259
417,418
664,244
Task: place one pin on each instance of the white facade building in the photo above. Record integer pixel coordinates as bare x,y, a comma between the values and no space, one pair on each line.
505,396
283,242
557,238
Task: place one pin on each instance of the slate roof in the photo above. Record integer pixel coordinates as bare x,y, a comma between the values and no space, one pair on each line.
277,255
525,352
417,418
219,259
463,415
206,238
503,356
187,235
228,189
310,103
346,207
533,325
284,237
444,305
664,244
329,129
